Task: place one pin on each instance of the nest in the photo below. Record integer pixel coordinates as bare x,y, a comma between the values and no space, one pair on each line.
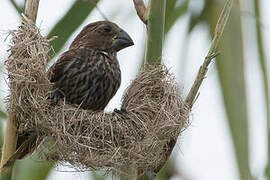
142,136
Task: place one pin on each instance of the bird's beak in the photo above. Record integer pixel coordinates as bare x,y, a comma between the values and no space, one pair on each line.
121,41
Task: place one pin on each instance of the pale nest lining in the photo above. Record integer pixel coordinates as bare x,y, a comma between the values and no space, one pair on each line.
140,137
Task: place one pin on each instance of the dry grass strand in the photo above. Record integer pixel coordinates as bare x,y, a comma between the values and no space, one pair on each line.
155,113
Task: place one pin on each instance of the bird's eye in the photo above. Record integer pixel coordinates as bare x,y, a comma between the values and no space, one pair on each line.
107,28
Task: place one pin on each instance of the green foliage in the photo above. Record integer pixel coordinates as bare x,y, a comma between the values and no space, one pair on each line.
232,80
264,73
6,175
230,70
3,115
230,65
173,13
30,169
16,6
166,172
97,175
64,28
155,34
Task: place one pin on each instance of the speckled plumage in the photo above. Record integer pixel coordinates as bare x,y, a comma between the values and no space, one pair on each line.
86,77
88,74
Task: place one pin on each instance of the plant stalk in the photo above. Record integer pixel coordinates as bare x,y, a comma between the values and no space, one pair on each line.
154,19
231,74
265,77
10,141
9,146
155,35
222,21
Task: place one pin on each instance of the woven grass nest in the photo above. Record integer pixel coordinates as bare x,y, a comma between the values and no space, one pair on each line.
140,137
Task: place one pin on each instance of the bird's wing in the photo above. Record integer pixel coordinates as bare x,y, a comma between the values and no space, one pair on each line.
60,67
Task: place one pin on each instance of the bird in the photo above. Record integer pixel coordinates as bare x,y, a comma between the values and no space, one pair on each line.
86,75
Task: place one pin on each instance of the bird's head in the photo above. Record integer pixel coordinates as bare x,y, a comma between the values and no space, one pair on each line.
103,35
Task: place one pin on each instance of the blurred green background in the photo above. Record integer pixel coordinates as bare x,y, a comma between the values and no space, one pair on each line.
230,130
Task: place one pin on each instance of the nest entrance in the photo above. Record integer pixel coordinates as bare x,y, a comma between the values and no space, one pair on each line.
141,137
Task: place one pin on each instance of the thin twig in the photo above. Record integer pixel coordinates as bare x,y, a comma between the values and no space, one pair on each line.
193,93
9,146
222,21
140,8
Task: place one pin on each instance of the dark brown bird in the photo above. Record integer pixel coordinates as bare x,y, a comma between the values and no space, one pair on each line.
88,74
